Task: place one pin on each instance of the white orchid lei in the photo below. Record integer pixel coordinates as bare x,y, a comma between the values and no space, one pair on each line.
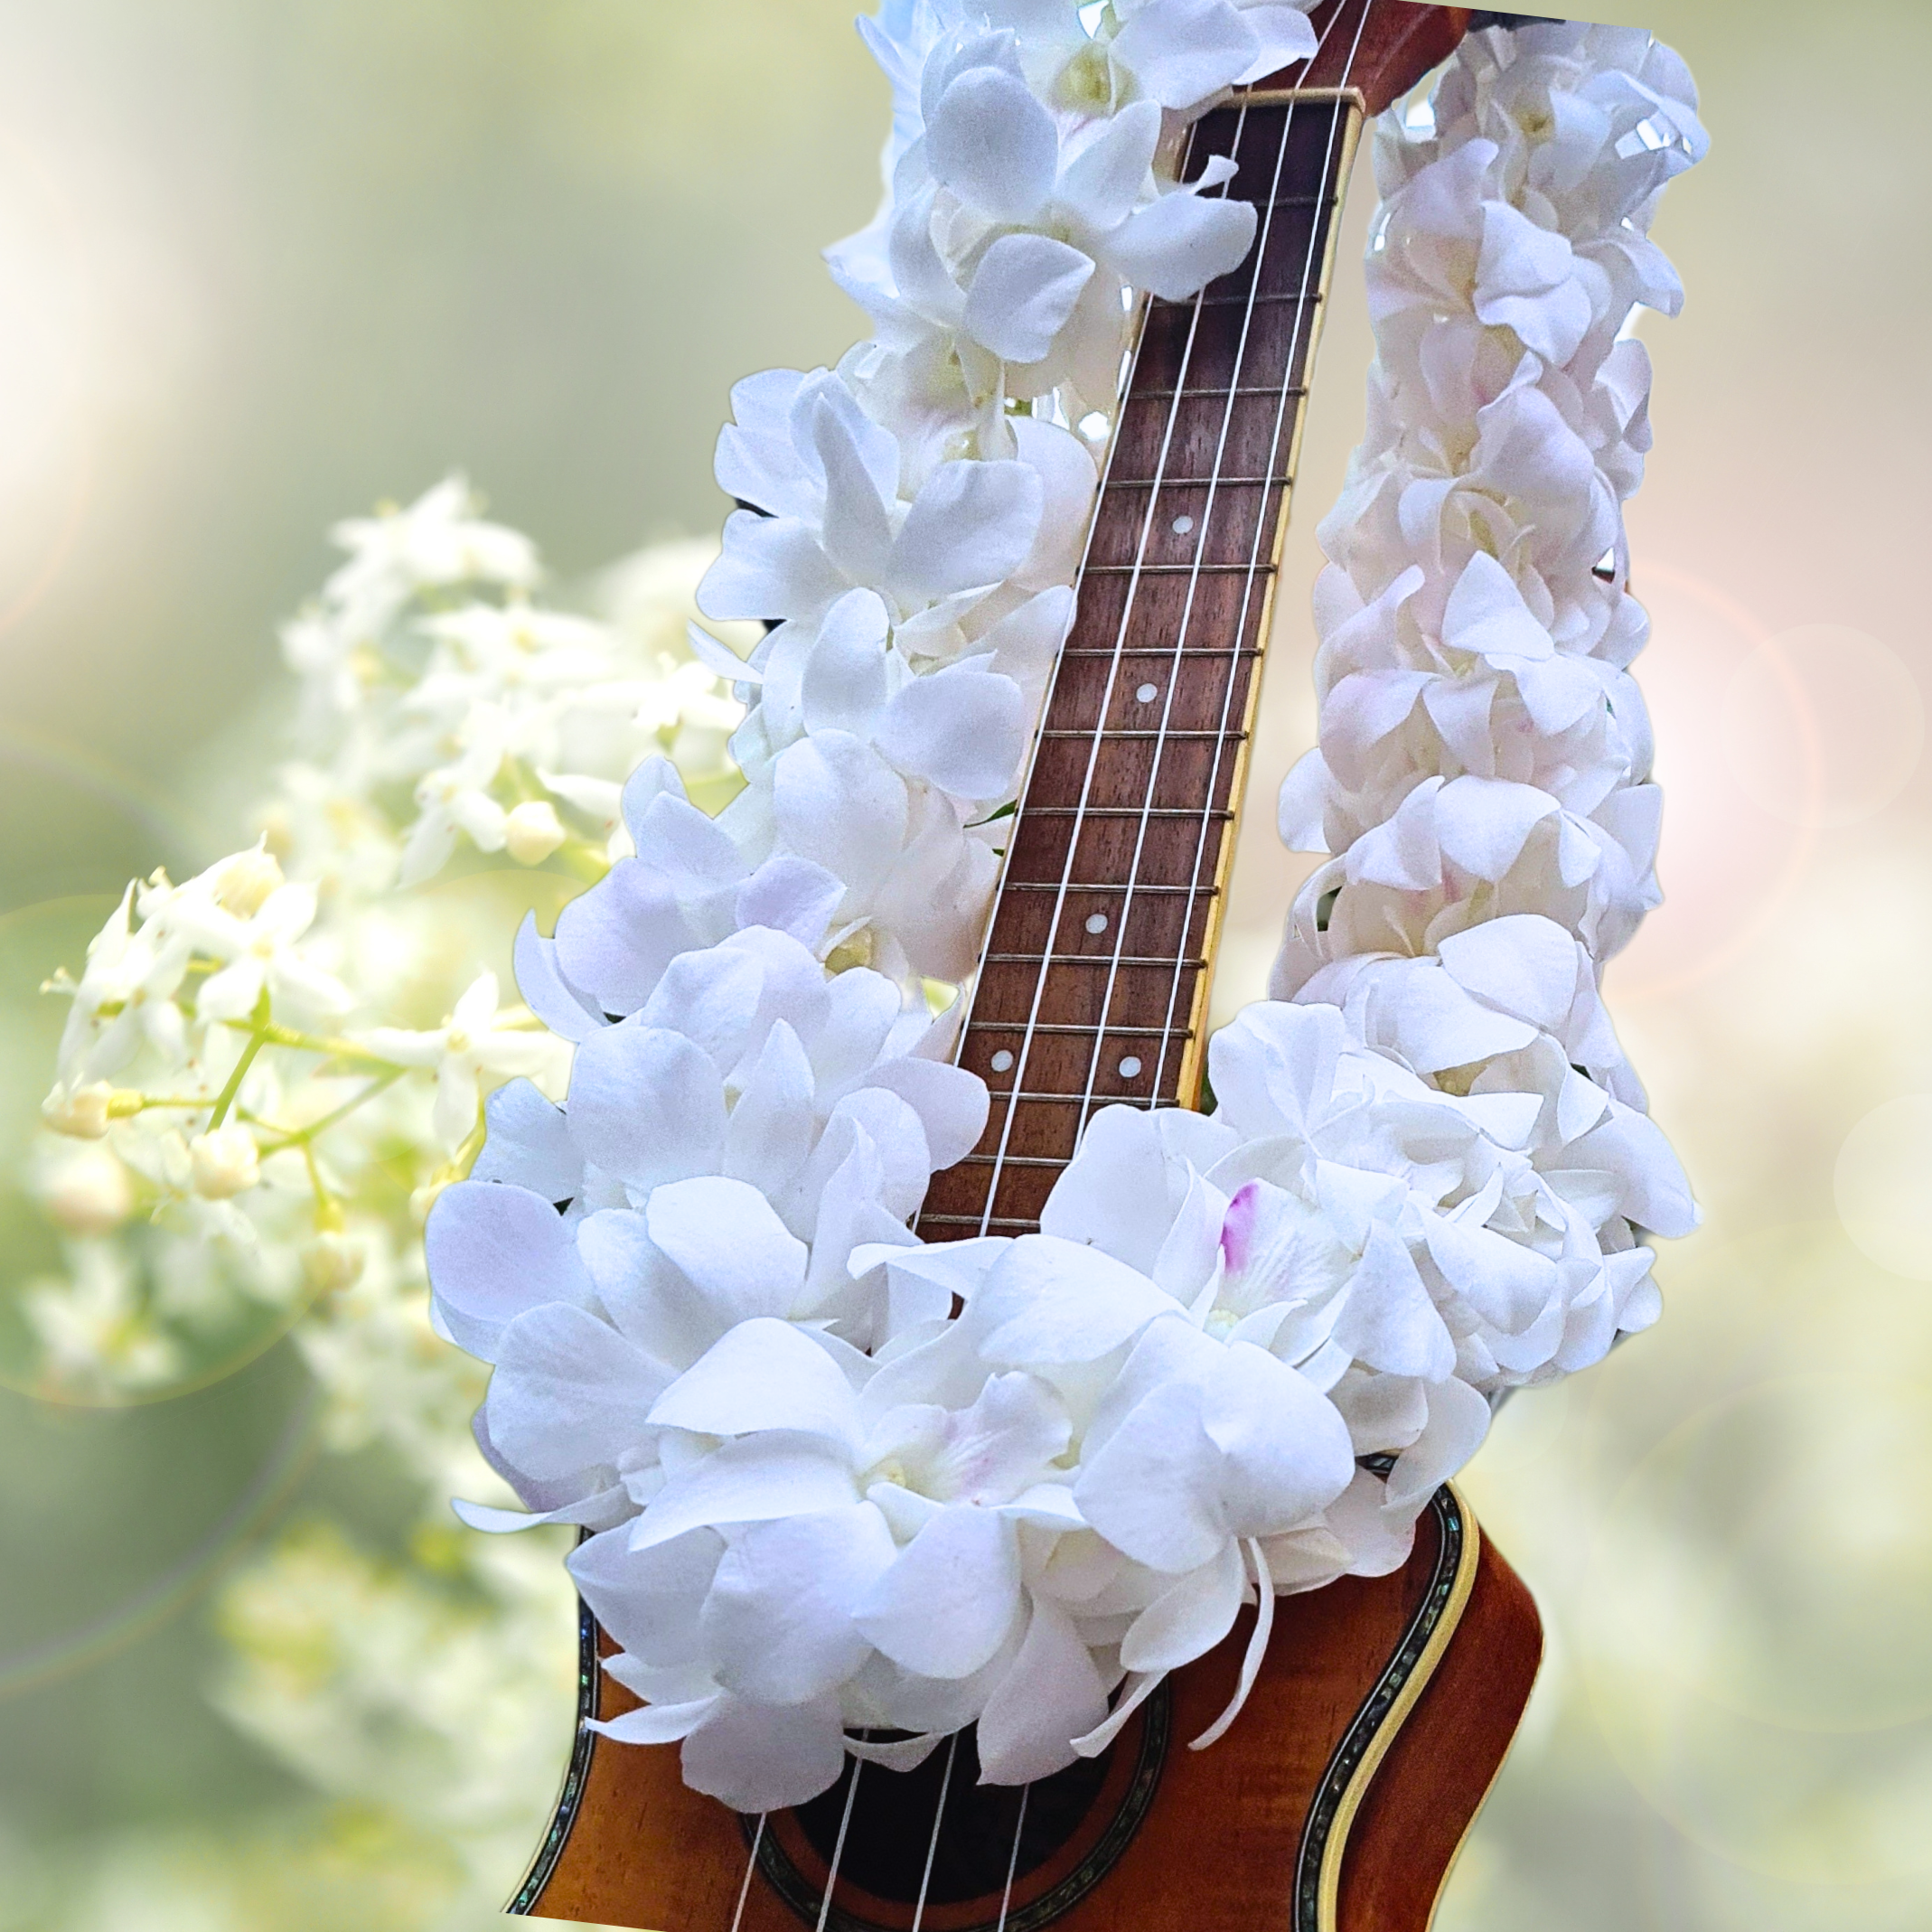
823,1503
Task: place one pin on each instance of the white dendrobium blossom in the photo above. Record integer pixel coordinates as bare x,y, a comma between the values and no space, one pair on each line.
827,477
471,1042
1012,240
437,540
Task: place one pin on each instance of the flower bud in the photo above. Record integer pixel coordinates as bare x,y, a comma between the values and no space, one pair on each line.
87,1192
81,1111
224,1162
330,1263
245,881
532,831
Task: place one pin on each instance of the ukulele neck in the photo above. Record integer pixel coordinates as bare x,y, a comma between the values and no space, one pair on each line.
1094,988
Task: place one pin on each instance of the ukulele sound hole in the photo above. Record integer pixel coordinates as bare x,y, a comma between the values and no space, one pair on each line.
1075,1826
892,1825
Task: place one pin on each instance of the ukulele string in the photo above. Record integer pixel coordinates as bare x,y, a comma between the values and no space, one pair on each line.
1023,1057
1006,1897
939,1816
1176,663
1309,270
751,1866
844,1819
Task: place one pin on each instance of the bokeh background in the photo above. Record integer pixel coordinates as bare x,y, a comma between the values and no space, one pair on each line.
264,262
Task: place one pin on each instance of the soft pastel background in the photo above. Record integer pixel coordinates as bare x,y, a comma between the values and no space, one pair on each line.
263,262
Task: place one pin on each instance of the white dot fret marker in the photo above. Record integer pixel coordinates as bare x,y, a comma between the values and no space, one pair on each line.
1096,922
1182,525
1146,693
1129,1067
1002,1061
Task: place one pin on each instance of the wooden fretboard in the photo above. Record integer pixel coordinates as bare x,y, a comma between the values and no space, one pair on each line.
1093,986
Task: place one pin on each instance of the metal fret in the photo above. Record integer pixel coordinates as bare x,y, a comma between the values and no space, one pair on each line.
1213,816
1168,651
1022,885
1092,959
1199,482
1085,1033
1272,390
1311,297
1254,571
1065,731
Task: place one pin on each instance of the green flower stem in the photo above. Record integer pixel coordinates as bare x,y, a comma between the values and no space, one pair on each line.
226,1098
302,1136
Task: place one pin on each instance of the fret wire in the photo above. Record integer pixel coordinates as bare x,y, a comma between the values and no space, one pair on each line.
1070,1027
1081,958
1199,483
1260,300
1009,1160
1173,570
1247,388
1194,324
1227,418
1309,267
1157,650
1068,731
1126,812
1042,1096
1022,884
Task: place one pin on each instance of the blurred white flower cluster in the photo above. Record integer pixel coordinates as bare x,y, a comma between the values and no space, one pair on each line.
233,1098
269,1070
843,1482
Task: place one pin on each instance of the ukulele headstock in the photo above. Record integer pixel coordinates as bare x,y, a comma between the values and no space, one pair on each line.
1376,49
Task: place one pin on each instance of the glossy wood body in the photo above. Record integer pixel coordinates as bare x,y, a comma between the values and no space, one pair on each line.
1220,1848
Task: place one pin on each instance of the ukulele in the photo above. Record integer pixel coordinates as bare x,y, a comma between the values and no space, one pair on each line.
1385,1705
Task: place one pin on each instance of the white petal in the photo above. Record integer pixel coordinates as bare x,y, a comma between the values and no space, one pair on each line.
1285,1447
1103,181
771,566
994,145
779,1615
1024,290
1183,50
760,1758
1051,1694
972,523
737,1254
844,682
1152,1490
947,1603
569,1392
494,1251
649,1600
1188,1617
1459,1419
963,729
1048,1301
1181,243
1522,964
645,1104
753,1479
763,1374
